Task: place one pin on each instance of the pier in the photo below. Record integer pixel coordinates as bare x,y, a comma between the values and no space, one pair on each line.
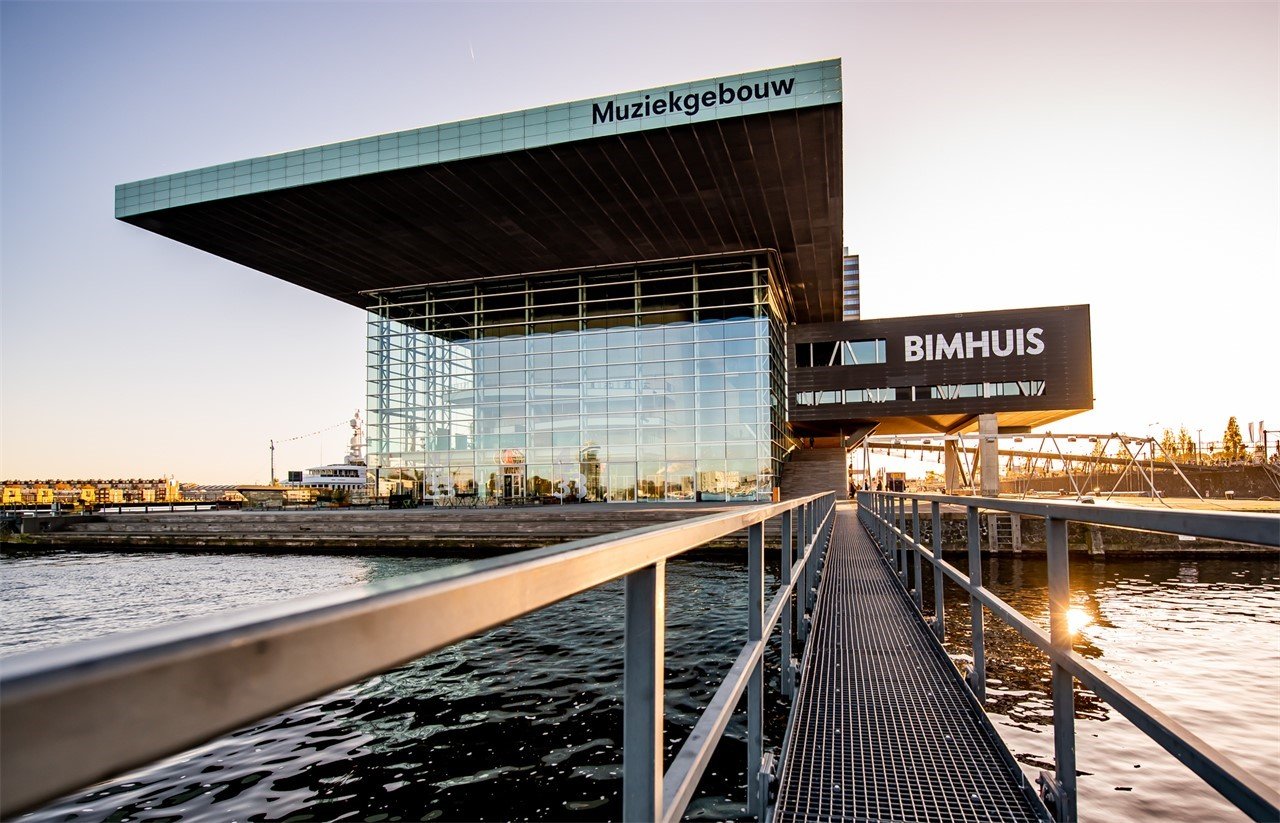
883,725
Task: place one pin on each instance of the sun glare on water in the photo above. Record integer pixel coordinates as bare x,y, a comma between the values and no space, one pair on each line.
1077,619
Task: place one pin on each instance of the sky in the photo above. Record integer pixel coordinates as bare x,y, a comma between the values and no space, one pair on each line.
997,155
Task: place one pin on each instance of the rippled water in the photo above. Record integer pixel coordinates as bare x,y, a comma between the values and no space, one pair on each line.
521,723
525,721
1197,638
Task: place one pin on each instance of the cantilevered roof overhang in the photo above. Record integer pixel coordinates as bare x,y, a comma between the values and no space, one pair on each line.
742,162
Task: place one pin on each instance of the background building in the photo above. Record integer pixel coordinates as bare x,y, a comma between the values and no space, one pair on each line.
90,492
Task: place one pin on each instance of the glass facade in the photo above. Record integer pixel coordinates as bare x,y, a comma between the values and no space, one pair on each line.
661,381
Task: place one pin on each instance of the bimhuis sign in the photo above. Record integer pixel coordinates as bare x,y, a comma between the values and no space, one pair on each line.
689,103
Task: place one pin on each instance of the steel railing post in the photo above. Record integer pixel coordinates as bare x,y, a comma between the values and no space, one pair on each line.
900,541
802,582
802,585
918,591
886,517
811,574
878,502
755,685
1064,724
788,560
891,521
939,602
978,677
893,535
890,547
642,701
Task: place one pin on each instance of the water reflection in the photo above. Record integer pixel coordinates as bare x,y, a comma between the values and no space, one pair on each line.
1078,619
1200,639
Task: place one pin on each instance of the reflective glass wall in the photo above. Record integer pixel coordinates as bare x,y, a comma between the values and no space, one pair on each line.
652,382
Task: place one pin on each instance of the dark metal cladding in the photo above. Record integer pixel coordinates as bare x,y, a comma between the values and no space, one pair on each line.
1064,367
763,181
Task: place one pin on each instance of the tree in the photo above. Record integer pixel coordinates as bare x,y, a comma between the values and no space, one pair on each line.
1186,446
1232,442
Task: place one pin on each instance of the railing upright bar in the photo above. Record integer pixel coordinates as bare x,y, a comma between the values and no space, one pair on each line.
811,574
788,560
815,556
886,526
882,523
643,668
978,677
918,592
895,525
939,601
902,542
1063,684
755,682
802,583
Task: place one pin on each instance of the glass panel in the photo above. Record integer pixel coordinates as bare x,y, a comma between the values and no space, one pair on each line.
621,482
454,369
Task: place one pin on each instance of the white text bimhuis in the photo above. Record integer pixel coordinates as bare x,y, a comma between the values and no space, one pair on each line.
691,103
966,345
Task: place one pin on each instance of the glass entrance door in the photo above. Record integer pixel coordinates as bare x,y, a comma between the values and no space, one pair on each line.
512,482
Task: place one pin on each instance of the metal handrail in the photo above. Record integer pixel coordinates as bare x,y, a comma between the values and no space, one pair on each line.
76,714
886,517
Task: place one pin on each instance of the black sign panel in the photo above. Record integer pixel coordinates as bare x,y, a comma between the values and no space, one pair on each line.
942,367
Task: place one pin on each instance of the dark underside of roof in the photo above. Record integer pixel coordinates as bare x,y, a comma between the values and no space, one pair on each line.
766,181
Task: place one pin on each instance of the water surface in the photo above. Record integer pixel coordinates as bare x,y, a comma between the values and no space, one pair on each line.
524,722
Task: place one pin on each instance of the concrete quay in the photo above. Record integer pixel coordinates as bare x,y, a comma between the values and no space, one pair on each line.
363,530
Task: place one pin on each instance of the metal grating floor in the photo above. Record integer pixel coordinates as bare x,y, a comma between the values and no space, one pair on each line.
884,727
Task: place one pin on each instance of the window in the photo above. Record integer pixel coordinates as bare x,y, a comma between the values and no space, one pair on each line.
840,397
1021,388
840,353
956,392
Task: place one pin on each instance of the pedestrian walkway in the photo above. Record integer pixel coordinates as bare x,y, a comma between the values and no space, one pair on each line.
885,728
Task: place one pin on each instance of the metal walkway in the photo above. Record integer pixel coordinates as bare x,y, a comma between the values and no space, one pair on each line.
884,727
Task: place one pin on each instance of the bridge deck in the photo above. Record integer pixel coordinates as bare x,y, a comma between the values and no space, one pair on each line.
884,727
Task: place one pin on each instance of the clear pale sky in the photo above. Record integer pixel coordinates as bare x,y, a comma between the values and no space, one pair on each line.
997,155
